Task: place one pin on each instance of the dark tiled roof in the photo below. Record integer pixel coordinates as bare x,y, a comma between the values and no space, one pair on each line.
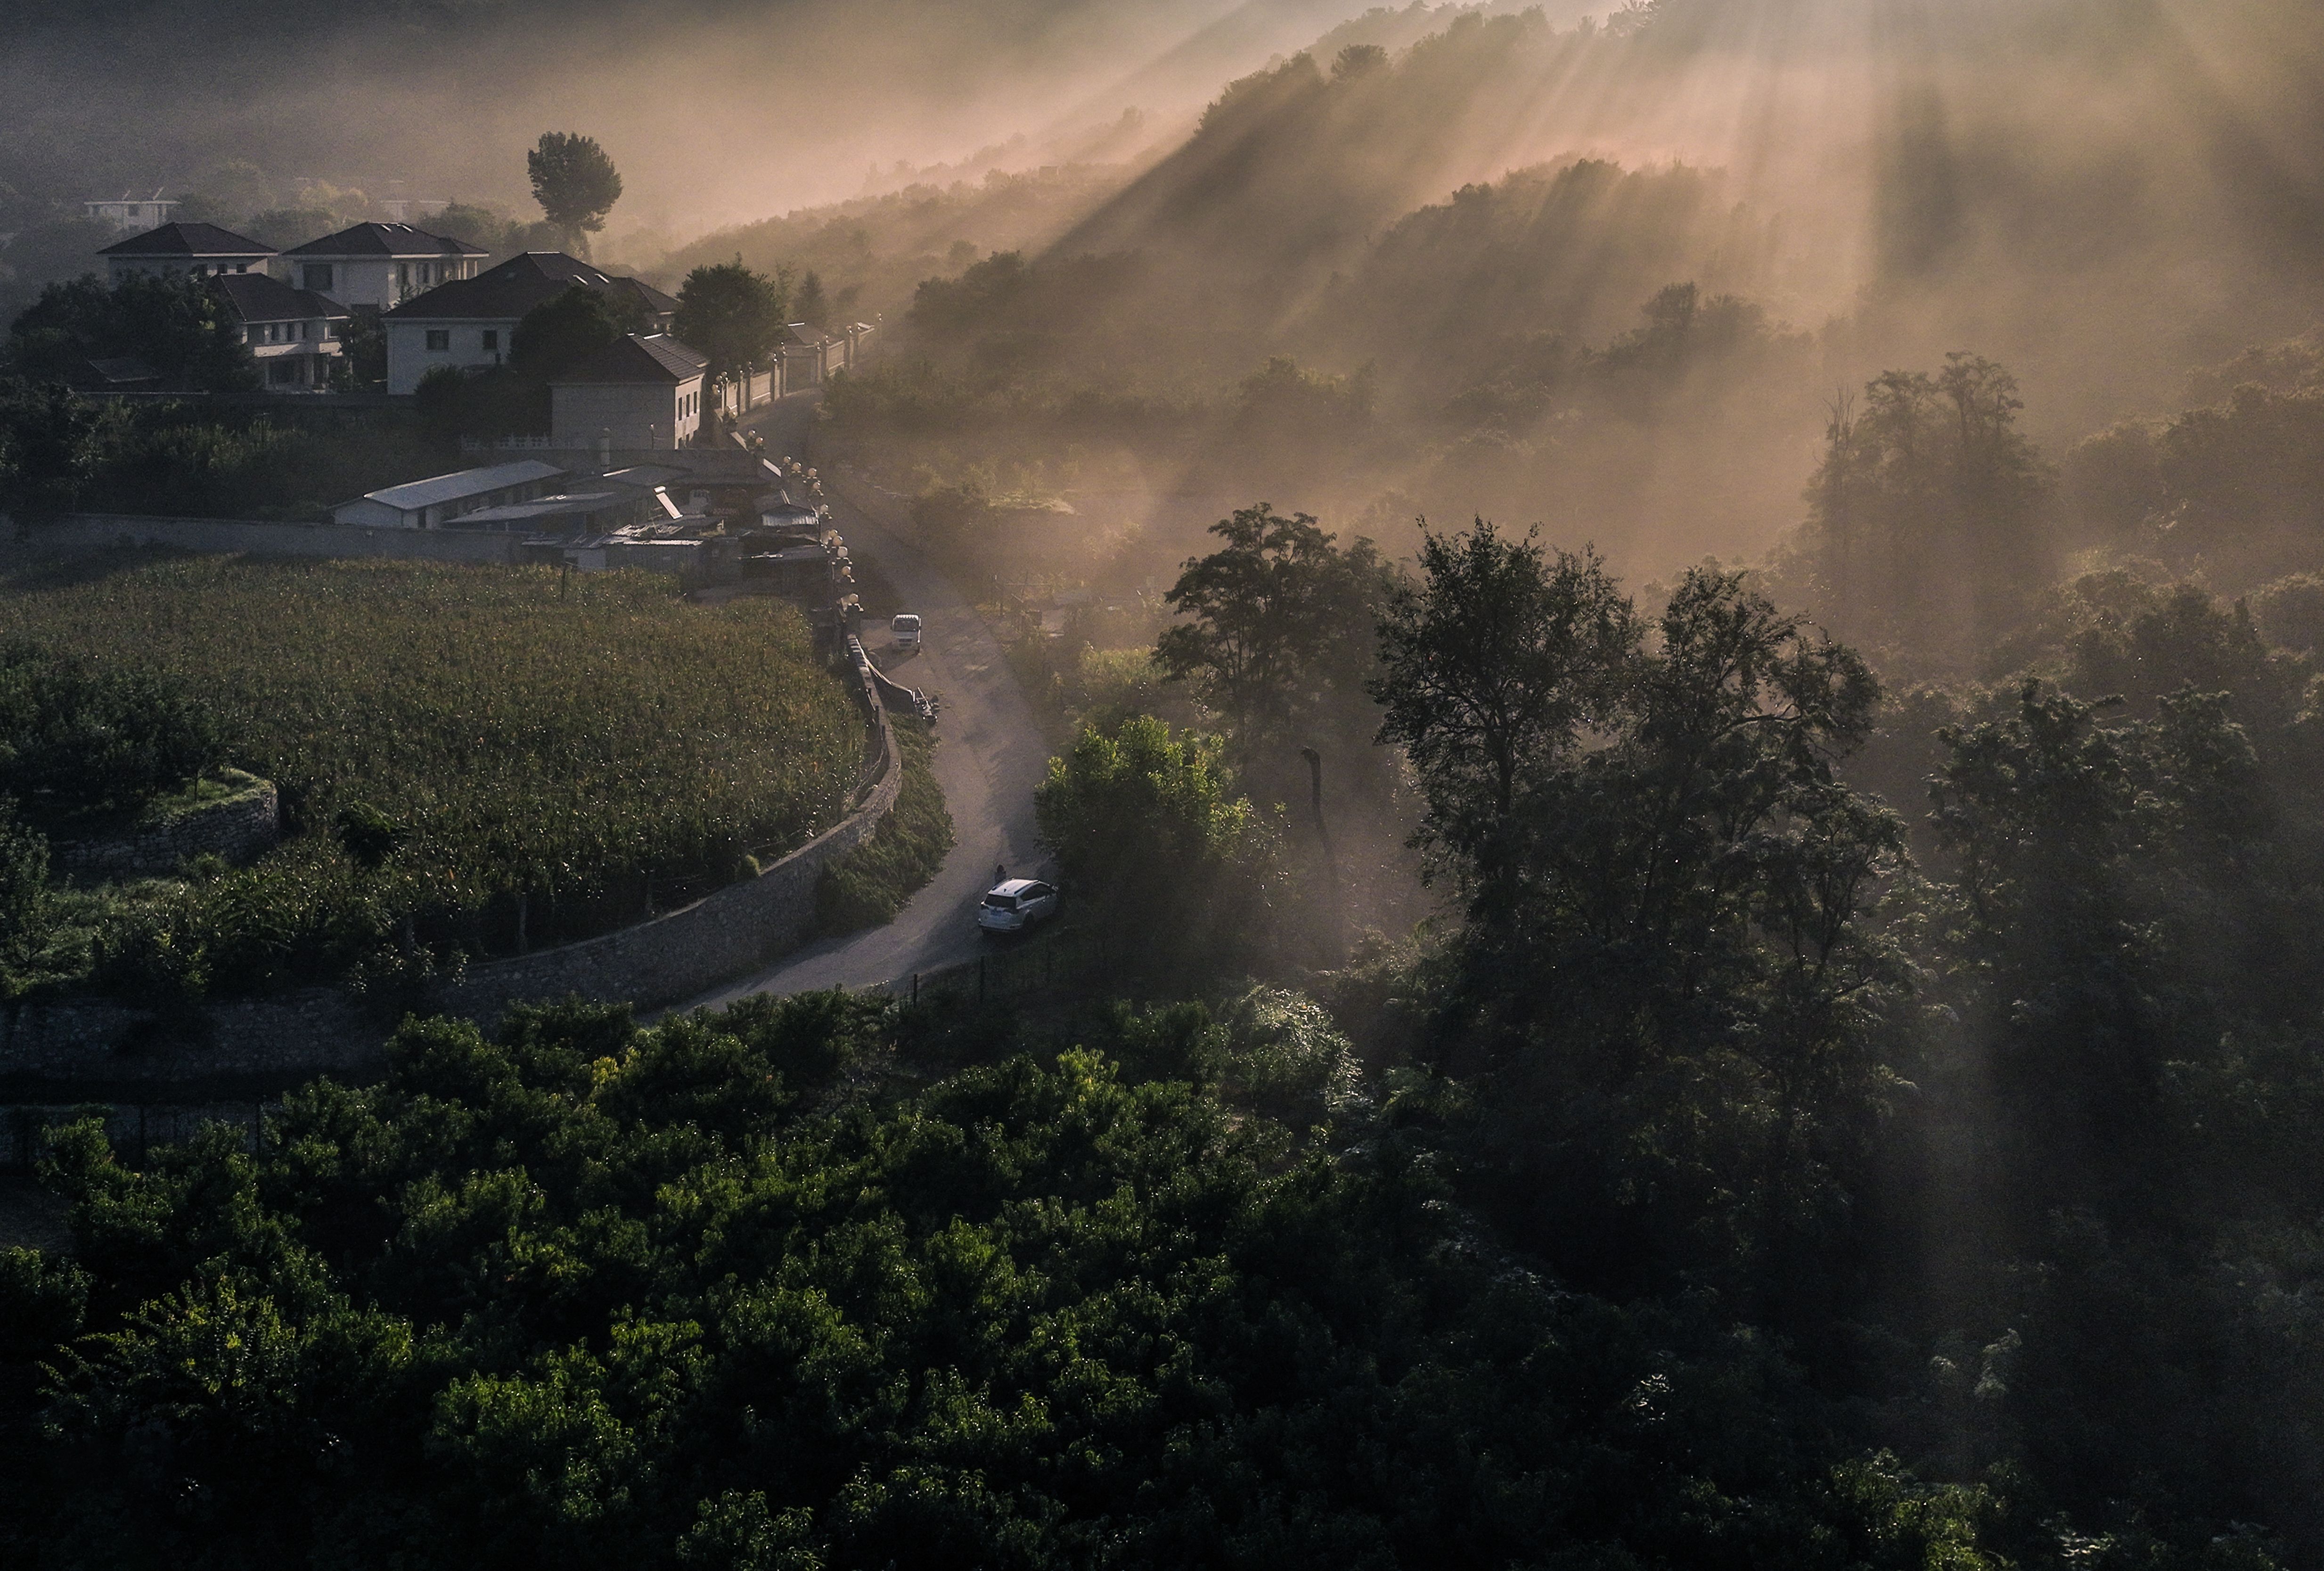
257,296
504,292
631,359
384,240
188,240
651,298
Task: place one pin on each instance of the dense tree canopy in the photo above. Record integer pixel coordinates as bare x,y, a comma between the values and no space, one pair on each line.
732,314
590,1295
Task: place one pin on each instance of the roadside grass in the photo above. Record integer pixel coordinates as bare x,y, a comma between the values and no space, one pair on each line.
872,882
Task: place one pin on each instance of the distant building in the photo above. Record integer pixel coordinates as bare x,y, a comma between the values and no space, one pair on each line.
402,209
181,250
467,324
126,212
375,267
639,392
296,335
432,503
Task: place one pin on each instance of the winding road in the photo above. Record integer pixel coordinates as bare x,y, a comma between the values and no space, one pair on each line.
990,754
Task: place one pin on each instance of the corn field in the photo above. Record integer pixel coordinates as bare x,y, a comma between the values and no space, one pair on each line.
557,755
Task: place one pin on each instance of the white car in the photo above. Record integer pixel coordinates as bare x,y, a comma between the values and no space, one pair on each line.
1016,905
905,630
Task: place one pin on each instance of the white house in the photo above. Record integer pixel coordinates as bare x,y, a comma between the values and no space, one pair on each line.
177,250
637,391
467,323
375,267
125,212
431,503
295,335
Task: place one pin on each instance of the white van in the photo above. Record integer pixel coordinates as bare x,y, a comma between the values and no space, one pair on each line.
906,631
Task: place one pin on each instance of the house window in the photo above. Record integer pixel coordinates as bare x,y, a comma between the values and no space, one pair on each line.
492,340
257,334
318,276
439,340
403,276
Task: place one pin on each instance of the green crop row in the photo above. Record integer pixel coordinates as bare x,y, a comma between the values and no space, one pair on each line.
529,756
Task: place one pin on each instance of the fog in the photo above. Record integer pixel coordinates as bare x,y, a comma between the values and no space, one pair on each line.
1463,203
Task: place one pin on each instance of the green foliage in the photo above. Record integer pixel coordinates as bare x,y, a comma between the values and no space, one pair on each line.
734,315
870,883
1276,636
1927,518
562,332
574,183
24,902
554,742
1663,972
367,835
80,741
59,453
180,327
1146,826
596,1295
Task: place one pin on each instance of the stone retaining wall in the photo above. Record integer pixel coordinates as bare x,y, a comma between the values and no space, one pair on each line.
240,829
107,1050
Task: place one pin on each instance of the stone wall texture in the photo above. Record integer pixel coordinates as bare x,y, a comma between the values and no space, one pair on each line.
240,829
105,1050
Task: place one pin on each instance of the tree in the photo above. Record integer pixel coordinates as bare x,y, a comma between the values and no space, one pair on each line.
1275,632
50,447
562,332
576,184
1925,518
1490,665
812,308
180,327
1147,825
732,314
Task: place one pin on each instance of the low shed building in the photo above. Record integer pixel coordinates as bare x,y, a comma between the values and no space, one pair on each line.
437,500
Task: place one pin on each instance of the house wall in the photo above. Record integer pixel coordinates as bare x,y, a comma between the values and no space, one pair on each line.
117,268
365,281
410,359
634,414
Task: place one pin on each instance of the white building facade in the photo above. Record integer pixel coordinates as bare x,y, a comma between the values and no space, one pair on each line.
379,266
185,250
467,323
126,213
296,336
640,391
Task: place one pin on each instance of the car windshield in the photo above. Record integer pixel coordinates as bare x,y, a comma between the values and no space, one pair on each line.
907,623
1002,903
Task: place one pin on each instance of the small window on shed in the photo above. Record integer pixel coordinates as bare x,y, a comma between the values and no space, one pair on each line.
439,340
